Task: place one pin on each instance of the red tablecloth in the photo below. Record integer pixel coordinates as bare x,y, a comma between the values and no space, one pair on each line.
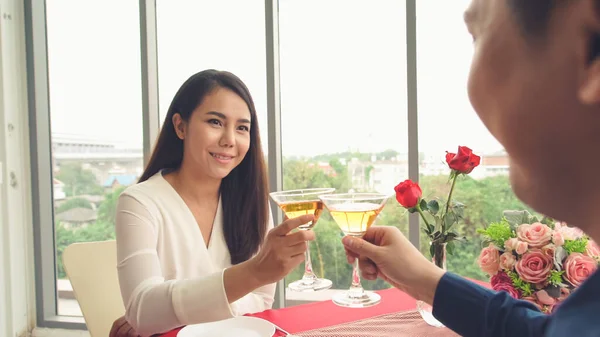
322,314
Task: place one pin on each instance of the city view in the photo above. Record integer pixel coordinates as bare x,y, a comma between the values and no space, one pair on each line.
89,174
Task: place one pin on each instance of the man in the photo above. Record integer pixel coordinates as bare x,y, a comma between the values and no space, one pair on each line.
535,84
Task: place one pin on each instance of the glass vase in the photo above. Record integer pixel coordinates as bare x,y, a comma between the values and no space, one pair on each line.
426,310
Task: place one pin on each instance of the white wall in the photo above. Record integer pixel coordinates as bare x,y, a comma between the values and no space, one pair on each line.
17,305
17,279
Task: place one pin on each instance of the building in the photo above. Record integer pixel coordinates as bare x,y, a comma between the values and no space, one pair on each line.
104,158
115,181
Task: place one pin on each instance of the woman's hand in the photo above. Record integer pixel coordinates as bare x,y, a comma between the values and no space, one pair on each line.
282,250
121,328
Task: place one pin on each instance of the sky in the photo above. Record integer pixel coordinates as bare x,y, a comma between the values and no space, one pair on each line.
342,69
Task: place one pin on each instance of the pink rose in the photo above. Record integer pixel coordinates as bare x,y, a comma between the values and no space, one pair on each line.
511,244
545,299
557,238
536,235
521,247
534,266
592,250
549,250
489,260
507,261
578,268
533,300
568,233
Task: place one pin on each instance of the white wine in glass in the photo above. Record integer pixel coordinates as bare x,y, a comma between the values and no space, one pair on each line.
355,213
295,203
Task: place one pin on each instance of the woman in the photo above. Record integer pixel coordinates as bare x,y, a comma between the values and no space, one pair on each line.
192,240
535,84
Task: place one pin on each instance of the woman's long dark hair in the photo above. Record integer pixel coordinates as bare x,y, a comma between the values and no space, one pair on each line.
244,192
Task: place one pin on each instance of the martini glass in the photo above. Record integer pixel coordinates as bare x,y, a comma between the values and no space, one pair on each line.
295,203
355,213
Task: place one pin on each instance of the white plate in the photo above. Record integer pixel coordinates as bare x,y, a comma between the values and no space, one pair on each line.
241,326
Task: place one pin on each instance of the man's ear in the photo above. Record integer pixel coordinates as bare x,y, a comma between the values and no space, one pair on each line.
179,125
589,91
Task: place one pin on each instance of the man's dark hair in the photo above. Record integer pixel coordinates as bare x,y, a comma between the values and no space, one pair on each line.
533,15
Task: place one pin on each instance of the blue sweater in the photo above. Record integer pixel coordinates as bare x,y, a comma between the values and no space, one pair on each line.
472,310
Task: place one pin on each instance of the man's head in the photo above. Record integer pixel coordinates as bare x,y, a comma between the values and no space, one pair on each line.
535,83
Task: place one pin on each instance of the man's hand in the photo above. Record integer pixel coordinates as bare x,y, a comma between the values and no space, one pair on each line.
385,253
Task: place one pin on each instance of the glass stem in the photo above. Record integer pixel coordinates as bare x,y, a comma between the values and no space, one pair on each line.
356,290
309,277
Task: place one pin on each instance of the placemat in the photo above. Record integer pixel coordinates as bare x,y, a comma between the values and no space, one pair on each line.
398,324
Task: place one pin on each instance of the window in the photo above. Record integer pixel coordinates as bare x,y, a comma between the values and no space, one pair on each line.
444,59
343,113
197,35
95,113
343,87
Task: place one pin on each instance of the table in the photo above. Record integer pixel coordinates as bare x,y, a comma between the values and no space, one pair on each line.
323,314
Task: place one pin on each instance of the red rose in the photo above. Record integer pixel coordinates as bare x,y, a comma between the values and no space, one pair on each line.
500,278
464,161
408,193
514,293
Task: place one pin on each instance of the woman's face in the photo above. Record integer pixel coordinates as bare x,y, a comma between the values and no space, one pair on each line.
217,136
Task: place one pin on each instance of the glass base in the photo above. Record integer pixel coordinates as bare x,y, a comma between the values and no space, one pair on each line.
367,299
316,285
426,312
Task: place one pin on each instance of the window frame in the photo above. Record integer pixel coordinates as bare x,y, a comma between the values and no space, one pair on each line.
40,135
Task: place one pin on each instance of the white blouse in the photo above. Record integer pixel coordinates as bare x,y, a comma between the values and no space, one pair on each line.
168,277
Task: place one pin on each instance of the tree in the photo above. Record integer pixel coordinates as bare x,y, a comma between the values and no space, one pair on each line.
485,199
73,203
77,180
103,229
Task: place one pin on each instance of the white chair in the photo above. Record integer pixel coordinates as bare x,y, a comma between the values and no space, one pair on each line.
92,270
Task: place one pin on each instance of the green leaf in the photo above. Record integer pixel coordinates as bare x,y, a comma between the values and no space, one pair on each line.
548,222
459,211
412,210
423,205
520,284
433,206
556,277
431,251
517,218
449,220
450,247
575,246
497,233
451,236
431,228
559,255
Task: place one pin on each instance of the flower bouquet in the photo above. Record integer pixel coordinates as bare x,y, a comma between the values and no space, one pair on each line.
540,261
